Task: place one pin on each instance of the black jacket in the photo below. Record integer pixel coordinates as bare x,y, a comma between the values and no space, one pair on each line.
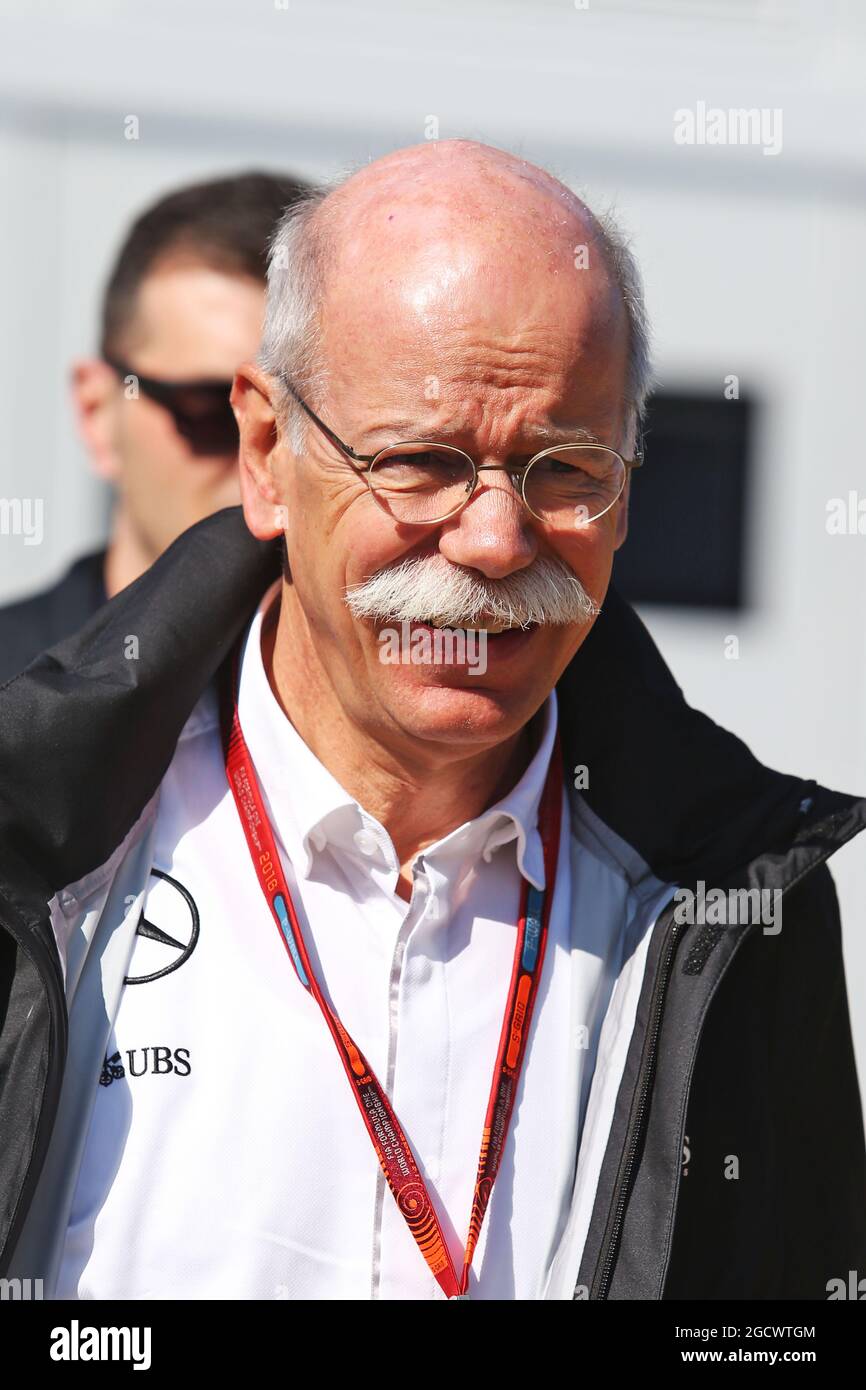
30,625
741,1047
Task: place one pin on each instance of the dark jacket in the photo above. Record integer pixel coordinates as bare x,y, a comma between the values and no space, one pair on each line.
741,1048
30,625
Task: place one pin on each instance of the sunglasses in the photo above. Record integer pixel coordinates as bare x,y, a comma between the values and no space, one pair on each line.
201,410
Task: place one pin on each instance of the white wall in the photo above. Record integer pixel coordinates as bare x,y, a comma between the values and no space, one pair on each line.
754,263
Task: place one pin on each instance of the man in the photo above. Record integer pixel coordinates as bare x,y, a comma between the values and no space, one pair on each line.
183,305
335,975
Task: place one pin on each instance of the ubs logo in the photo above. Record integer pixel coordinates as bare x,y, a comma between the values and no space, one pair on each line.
176,952
160,1061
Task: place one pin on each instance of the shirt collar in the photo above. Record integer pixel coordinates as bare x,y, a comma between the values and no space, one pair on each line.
312,810
305,798
515,815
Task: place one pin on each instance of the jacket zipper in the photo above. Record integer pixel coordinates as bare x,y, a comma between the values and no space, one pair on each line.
57,1045
609,1254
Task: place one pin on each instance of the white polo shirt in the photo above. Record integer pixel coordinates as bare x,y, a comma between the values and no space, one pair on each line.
226,1155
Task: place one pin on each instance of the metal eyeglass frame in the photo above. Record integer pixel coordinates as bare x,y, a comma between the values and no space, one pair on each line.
517,475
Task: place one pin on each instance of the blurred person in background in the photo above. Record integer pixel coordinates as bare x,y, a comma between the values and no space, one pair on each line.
182,307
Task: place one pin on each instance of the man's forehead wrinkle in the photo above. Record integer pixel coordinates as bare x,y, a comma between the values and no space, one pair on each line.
486,416
445,428
472,360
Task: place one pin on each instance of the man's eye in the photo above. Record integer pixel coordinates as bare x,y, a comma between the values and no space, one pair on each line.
555,465
422,467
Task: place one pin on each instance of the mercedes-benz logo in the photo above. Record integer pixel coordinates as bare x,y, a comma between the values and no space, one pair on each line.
180,952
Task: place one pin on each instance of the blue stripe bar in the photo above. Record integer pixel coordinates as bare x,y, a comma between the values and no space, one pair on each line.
534,909
286,927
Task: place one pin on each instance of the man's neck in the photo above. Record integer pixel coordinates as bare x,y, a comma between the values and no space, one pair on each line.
126,557
418,800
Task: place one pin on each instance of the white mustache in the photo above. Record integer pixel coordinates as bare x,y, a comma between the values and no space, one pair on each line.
433,590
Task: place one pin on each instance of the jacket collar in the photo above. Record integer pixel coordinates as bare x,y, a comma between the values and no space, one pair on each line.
88,730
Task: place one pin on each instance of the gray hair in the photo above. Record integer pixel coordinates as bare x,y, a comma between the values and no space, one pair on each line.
291,338
626,273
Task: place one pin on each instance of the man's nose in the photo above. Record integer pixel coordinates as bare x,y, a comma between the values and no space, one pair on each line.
493,533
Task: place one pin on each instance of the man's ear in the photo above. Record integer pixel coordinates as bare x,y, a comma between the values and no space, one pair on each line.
93,388
259,451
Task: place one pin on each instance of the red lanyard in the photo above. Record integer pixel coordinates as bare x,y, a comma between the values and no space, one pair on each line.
389,1141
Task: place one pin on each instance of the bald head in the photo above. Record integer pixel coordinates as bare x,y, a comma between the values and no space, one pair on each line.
437,255
459,185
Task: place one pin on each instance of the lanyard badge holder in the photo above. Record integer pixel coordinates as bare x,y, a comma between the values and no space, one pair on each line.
390,1143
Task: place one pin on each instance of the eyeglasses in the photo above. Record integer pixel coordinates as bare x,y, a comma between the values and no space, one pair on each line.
420,483
201,410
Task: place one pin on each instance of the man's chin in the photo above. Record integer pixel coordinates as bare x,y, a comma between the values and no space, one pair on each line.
459,714
466,685
463,702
